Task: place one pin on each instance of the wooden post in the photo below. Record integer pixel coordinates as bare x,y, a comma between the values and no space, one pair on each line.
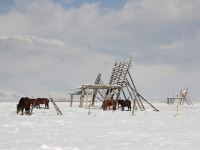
177,110
118,94
93,98
133,109
81,101
71,99
82,98
90,104
86,103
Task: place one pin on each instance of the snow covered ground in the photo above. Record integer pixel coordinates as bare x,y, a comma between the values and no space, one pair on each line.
101,130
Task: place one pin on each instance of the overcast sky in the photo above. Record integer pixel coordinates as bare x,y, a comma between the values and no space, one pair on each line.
50,46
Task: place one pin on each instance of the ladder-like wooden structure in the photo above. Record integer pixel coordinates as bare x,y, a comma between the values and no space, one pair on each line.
184,97
120,84
55,106
121,76
181,98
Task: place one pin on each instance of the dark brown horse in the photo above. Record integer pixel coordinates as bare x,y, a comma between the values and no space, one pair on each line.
24,104
119,102
124,103
109,103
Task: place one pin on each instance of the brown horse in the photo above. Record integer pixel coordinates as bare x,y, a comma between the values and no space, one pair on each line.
109,103
44,101
124,103
33,102
24,103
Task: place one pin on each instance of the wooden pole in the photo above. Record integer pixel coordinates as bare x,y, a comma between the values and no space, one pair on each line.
100,94
71,99
131,96
135,95
86,103
133,109
177,106
55,106
177,109
124,94
33,106
140,101
81,99
90,104
144,99
118,94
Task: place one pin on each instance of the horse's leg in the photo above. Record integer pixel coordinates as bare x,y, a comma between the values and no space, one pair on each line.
47,105
105,107
25,111
22,110
29,111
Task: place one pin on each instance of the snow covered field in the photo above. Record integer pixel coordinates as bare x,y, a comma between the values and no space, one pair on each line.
102,130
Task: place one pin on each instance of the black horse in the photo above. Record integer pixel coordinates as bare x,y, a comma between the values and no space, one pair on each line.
24,103
124,103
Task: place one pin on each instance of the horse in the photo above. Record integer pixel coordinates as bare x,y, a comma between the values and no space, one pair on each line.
108,103
24,103
125,103
44,101
119,102
34,103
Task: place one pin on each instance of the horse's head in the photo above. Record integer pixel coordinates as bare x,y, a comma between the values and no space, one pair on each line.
18,108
